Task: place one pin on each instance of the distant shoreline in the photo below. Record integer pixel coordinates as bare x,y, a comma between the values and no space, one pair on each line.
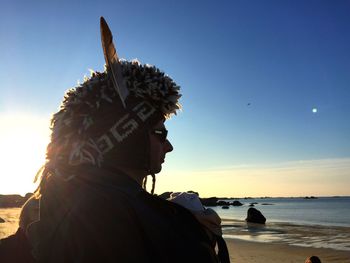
14,200
17,200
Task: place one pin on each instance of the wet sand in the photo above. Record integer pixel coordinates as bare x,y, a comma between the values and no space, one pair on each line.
285,242
258,252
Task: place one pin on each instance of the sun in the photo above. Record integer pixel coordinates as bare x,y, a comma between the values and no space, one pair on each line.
23,140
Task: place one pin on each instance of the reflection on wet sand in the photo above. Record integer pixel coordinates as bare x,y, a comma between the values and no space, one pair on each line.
297,235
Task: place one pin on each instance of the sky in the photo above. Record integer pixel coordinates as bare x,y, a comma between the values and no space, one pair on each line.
265,84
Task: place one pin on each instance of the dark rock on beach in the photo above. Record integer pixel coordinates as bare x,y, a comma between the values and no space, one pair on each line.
236,203
223,203
2,220
211,201
225,207
255,216
310,197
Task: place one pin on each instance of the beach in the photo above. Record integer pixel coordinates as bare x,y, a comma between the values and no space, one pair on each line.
275,241
257,252
295,229
285,242
316,236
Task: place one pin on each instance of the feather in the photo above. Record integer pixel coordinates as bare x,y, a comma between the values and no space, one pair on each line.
112,61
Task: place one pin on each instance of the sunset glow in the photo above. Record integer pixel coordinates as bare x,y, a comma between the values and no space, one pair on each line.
23,139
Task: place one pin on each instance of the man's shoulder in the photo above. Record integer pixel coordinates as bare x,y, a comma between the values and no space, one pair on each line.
101,197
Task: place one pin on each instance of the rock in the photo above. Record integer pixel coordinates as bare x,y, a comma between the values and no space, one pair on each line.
311,197
7,201
236,203
222,203
255,216
211,201
266,204
225,207
2,220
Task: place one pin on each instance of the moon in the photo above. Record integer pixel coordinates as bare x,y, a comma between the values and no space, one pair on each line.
314,110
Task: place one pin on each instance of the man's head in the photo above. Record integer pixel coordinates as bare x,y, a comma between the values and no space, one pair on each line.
93,127
114,120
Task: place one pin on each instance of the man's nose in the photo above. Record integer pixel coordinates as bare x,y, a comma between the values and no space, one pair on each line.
168,147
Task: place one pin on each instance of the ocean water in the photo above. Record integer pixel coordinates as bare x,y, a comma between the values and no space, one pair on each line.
326,211
321,223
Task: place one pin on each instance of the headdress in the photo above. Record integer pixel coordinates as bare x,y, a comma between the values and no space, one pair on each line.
97,117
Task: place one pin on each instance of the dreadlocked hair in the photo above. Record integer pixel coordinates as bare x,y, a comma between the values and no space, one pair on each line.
86,108
144,183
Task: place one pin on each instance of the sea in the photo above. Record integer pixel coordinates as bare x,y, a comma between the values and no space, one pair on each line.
326,211
322,222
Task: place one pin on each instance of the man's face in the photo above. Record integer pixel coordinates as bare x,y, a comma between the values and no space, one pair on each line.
159,146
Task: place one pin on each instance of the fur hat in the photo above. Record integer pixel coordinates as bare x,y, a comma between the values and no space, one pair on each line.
97,118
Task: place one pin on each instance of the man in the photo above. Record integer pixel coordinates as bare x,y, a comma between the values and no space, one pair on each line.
107,137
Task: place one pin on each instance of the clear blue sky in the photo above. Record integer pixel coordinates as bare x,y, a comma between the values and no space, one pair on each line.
251,72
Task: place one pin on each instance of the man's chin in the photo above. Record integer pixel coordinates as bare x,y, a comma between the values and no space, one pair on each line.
156,170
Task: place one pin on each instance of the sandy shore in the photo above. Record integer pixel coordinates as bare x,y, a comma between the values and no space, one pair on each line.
278,242
258,252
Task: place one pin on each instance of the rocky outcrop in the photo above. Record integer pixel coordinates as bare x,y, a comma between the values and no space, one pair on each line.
310,197
255,216
236,203
223,203
7,201
211,201
2,220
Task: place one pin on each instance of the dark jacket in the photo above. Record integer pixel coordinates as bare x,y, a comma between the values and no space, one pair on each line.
16,249
106,217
